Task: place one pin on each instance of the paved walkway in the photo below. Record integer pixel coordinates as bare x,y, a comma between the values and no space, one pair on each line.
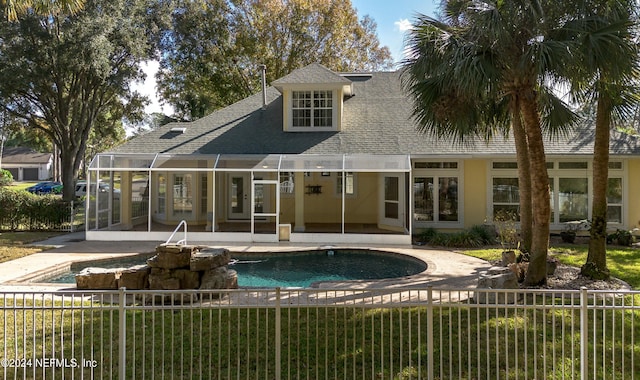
445,268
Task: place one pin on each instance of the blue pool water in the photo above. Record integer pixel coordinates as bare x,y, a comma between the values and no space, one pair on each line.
300,269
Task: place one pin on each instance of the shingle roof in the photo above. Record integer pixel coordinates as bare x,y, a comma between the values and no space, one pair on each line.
24,155
377,120
314,73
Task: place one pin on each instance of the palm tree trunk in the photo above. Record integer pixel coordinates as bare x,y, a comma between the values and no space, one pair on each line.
596,265
524,176
541,209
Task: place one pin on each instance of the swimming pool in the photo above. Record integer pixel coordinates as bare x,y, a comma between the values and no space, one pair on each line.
295,269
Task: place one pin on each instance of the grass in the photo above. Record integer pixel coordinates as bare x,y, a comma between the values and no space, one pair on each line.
331,341
20,185
323,342
623,263
14,245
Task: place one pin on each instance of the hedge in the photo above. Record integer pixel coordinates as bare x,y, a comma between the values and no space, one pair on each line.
23,211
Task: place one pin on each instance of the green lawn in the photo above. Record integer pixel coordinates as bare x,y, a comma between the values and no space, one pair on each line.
327,342
332,341
20,185
623,263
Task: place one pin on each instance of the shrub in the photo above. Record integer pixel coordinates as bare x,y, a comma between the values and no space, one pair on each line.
20,210
622,237
476,236
6,178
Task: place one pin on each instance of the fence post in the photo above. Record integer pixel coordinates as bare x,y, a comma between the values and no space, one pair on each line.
430,357
584,333
122,332
278,336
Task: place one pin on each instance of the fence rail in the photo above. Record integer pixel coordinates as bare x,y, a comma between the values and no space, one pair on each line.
321,333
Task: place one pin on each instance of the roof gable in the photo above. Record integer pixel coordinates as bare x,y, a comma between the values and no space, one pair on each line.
314,73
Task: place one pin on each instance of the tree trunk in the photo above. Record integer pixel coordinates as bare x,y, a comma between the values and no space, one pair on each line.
524,176
68,176
596,265
541,209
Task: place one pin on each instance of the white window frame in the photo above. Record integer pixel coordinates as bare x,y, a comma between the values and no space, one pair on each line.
435,172
312,108
338,185
555,173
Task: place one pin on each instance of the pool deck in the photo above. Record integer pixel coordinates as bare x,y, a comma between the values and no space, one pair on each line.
446,269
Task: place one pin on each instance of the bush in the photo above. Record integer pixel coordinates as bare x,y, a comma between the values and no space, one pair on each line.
20,210
622,237
476,236
6,178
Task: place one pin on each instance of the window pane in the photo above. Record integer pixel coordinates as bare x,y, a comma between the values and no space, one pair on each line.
301,108
448,199
162,192
391,189
423,199
552,200
182,194
614,190
614,214
203,195
573,199
391,210
349,185
505,165
436,165
615,165
572,165
505,190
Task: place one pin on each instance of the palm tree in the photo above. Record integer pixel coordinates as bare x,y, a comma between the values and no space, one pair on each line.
603,75
494,52
14,8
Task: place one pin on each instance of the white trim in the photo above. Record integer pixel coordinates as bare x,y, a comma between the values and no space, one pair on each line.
335,106
244,237
437,173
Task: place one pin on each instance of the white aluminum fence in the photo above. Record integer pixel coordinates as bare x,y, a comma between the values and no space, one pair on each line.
321,334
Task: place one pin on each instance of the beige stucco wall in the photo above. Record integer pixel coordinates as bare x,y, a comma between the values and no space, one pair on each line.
475,192
327,206
633,194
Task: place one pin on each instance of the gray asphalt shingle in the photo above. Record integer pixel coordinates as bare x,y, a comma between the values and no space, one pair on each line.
376,120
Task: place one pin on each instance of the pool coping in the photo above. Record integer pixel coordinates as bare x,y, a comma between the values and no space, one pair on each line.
444,268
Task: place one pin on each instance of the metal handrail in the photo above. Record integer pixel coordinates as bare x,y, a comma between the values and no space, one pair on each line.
179,242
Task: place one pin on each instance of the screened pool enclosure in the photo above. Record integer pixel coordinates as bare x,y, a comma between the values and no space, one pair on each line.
254,198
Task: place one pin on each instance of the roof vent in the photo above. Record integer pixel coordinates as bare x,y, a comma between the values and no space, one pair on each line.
178,129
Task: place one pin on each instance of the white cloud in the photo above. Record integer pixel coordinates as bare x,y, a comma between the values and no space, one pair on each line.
403,25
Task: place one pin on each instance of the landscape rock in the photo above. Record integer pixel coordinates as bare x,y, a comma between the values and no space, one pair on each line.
98,278
135,277
209,258
172,256
508,257
497,278
188,279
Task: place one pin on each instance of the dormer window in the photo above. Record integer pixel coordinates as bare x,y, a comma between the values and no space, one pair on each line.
312,108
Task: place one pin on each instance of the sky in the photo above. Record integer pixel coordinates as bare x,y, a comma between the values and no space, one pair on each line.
393,17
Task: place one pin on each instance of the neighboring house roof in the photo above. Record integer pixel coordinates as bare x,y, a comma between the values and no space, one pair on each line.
376,120
23,155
